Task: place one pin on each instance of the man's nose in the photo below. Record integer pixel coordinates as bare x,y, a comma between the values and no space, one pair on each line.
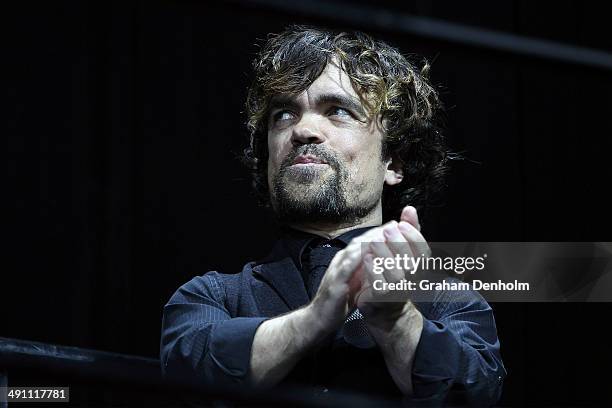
306,131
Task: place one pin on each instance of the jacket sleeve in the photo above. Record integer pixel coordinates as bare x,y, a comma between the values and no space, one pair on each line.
199,337
458,349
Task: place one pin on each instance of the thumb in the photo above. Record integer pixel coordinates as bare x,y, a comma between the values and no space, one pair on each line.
409,215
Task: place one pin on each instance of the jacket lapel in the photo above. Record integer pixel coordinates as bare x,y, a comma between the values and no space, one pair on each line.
279,274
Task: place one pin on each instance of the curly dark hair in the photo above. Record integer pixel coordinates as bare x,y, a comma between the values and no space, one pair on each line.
388,84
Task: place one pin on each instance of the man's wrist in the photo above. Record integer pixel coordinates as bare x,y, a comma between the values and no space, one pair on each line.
312,324
387,326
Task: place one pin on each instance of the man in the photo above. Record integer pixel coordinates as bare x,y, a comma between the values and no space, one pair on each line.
343,135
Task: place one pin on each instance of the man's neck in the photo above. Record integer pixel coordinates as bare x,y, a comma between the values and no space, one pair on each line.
330,231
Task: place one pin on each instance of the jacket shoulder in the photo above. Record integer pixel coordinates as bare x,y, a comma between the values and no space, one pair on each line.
223,288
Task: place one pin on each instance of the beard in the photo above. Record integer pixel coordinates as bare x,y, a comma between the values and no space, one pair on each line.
316,194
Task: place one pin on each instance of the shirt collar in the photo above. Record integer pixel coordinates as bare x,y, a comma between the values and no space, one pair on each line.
295,241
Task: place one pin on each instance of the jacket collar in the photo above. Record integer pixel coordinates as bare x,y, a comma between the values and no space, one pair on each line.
279,271
281,268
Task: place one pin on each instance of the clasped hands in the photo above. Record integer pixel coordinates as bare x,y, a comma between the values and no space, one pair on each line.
350,277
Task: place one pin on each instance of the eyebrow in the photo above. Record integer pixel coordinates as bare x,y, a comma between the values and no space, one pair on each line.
289,102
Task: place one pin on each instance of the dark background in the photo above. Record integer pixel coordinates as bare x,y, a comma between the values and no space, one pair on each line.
124,120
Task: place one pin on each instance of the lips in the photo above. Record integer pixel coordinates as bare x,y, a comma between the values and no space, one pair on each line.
308,159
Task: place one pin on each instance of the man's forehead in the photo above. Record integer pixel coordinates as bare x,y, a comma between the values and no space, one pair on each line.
333,85
334,78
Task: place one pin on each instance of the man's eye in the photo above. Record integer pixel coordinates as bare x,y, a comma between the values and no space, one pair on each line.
282,115
338,111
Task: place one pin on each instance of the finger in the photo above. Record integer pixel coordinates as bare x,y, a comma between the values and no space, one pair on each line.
395,240
409,215
368,268
380,250
355,284
364,295
347,261
417,242
370,277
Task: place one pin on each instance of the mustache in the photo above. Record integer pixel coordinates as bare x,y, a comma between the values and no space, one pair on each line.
313,149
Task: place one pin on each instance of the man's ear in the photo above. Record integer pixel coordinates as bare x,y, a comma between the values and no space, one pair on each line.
395,171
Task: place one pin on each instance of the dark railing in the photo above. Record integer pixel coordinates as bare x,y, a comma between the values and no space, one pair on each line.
121,372
378,18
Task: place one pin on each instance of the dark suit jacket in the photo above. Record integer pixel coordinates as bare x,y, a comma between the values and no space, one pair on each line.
210,322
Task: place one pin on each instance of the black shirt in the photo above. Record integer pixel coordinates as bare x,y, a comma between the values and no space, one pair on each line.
309,251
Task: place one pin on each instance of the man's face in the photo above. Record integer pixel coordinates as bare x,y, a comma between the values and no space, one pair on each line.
325,162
